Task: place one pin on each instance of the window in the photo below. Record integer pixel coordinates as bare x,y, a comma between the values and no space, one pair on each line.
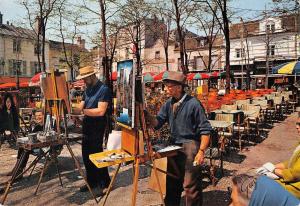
191,64
271,50
199,63
179,65
239,53
16,45
270,27
214,62
157,55
37,49
201,43
126,53
2,64
34,67
17,64
24,67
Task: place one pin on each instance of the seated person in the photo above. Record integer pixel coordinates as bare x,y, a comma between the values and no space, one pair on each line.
35,126
260,191
9,120
288,172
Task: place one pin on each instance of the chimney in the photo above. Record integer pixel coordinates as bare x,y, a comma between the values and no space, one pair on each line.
80,42
1,18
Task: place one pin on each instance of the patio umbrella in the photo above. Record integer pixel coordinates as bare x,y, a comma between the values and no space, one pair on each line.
190,76
35,80
198,76
223,74
287,68
214,74
160,76
148,77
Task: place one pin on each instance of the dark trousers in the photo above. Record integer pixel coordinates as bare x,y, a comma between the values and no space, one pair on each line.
25,158
189,181
93,132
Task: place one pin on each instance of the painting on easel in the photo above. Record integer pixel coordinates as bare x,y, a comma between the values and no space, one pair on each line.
125,93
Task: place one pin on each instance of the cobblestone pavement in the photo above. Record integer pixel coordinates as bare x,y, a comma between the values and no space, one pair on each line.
277,147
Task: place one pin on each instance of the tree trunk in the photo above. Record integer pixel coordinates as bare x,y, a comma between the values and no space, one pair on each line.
180,37
227,49
106,70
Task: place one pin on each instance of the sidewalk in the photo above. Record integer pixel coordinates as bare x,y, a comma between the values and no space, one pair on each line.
277,147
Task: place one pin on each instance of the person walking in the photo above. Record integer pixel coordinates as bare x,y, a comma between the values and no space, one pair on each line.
190,129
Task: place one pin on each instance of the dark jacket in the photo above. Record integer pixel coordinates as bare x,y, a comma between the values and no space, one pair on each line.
189,123
4,120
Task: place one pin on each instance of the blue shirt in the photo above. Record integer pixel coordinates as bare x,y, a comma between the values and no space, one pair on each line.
268,192
189,123
95,94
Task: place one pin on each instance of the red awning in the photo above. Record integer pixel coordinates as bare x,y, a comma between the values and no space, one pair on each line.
7,85
7,79
24,84
13,84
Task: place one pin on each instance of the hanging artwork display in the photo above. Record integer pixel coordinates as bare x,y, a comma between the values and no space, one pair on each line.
125,92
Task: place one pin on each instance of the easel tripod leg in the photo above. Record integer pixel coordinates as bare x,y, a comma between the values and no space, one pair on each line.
41,175
158,182
14,175
58,171
111,184
80,170
135,181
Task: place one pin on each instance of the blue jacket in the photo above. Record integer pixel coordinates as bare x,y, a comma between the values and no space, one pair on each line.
189,123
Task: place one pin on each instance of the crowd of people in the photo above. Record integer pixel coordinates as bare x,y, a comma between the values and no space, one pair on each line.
189,128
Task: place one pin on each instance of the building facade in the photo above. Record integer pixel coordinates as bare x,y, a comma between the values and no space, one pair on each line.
270,41
18,52
69,59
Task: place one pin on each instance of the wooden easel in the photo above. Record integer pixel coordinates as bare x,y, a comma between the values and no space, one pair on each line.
58,106
133,140
53,104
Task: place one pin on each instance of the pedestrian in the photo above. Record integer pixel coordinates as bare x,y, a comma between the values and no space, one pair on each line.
94,105
189,129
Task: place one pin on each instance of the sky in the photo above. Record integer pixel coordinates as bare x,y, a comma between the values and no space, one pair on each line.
250,9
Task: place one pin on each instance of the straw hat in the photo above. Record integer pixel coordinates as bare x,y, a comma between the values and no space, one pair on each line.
176,77
85,72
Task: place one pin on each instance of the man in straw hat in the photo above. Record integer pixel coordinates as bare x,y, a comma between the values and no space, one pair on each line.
190,129
94,106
